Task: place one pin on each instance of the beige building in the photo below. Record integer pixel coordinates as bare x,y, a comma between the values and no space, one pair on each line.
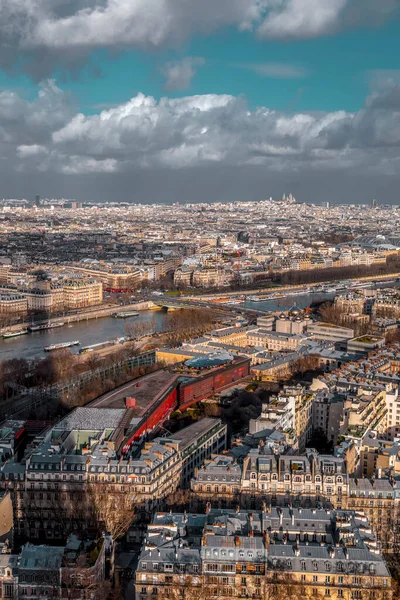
231,335
273,340
79,293
363,412
277,553
113,278
208,277
377,456
39,300
13,304
4,271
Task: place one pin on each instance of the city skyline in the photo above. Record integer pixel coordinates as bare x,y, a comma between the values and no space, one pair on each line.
104,102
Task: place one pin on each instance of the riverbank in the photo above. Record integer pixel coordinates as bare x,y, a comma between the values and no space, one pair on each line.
278,288
98,313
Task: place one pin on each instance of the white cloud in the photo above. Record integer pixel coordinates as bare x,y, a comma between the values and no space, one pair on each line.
179,74
47,32
47,135
25,151
302,18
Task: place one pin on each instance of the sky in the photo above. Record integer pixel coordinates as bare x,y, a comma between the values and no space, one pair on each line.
180,100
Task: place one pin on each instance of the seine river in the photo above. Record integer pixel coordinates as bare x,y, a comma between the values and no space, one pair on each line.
107,328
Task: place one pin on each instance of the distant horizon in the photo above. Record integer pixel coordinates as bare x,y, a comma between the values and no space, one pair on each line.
170,101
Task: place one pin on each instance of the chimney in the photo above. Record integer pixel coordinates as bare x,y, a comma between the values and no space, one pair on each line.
237,541
208,507
280,517
266,539
237,508
251,534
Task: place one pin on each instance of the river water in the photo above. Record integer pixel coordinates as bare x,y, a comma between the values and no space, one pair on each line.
95,331
87,333
107,328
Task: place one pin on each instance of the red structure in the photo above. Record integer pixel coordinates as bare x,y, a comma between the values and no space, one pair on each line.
199,388
183,392
154,415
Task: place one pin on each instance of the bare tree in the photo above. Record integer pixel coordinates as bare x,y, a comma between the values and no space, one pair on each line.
305,363
113,509
139,329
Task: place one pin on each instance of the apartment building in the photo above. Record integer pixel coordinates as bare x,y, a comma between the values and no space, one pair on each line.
280,552
327,411
276,479
303,402
55,485
209,277
39,299
112,277
13,304
278,414
197,443
378,456
230,335
219,478
302,480
274,340
380,500
81,293
364,411
4,271
73,570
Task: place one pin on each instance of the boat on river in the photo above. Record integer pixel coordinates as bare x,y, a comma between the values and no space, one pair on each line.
61,345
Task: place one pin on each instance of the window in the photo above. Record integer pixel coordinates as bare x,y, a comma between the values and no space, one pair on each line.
303,579
340,580
340,593
8,590
327,592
